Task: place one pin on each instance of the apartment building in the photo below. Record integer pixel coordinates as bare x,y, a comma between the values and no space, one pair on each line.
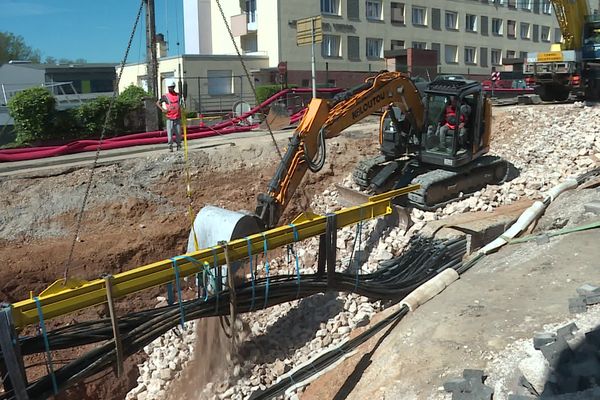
470,36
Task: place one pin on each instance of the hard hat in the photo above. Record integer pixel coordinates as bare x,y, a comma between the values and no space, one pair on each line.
171,83
596,30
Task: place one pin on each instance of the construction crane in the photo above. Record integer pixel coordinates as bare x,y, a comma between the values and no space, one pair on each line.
573,66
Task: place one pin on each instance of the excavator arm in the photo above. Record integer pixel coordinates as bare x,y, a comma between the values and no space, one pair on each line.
324,120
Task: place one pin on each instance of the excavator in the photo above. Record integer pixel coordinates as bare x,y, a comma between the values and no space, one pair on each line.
413,150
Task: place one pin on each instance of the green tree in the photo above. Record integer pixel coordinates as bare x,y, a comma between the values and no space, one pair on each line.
13,47
33,110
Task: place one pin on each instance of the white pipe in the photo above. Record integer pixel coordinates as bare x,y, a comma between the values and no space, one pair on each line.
528,216
430,289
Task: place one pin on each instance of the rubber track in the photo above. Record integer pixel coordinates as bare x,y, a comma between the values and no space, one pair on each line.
444,177
361,174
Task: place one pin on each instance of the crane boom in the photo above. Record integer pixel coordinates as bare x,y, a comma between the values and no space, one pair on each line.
571,19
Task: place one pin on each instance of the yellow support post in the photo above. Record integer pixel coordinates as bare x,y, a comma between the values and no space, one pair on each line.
57,302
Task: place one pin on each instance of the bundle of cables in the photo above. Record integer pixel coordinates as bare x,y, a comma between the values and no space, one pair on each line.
393,281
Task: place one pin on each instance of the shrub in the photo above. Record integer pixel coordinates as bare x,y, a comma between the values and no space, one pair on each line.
33,111
265,91
133,96
92,115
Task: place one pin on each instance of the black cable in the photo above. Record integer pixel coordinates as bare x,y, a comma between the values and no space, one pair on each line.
392,282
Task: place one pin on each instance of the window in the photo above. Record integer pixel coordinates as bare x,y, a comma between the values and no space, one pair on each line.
418,16
512,4
437,48
330,7
510,54
469,55
374,9
353,48
471,23
397,13
249,43
397,44
496,57
557,35
536,33
374,48
450,53
546,7
484,25
219,82
330,47
525,5
497,26
451,20
251,11
419,45
524,28
523,55
436,19
483,56
511,29
352,9
545,33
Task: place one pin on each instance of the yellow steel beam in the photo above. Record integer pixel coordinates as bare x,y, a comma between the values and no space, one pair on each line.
60,298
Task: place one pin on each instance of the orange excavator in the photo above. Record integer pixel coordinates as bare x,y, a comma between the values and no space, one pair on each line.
415,147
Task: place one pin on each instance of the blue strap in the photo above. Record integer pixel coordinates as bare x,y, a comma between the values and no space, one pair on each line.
265,247
251,273
46,344
178,283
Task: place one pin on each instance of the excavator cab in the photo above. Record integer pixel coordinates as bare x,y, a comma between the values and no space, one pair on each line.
454,126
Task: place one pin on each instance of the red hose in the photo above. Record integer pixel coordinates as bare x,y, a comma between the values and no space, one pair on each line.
154,137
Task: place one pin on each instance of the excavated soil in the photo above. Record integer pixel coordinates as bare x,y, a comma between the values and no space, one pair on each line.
136,214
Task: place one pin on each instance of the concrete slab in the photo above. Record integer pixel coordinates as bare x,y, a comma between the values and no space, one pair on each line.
480,227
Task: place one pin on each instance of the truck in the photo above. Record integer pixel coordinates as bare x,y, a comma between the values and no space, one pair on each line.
572,67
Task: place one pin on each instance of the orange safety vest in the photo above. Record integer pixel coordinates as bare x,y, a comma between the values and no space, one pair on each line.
451,117
173,109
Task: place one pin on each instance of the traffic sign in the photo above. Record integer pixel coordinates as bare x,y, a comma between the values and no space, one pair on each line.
309,30
495,76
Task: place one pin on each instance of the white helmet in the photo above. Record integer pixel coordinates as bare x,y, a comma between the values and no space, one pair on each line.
171,82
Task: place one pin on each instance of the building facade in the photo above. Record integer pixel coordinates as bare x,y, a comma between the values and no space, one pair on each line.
470,36
214,82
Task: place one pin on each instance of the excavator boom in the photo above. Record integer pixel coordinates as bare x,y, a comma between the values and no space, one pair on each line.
324,120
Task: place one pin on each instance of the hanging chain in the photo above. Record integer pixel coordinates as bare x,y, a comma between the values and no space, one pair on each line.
102,133
250,81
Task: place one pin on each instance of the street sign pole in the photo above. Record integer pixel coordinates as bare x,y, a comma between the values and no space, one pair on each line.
314,81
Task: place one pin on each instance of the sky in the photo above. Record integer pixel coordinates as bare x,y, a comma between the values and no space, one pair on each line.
95,30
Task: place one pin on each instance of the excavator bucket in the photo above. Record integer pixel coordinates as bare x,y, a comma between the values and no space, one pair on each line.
277,118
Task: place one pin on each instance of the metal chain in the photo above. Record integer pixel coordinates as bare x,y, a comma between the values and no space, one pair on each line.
102,133
237,50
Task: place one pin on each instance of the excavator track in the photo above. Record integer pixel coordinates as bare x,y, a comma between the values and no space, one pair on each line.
367,169
440,187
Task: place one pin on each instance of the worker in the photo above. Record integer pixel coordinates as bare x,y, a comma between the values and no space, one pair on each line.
450,121
169,104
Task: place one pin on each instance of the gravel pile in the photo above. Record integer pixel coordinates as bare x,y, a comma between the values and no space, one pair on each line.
544,144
